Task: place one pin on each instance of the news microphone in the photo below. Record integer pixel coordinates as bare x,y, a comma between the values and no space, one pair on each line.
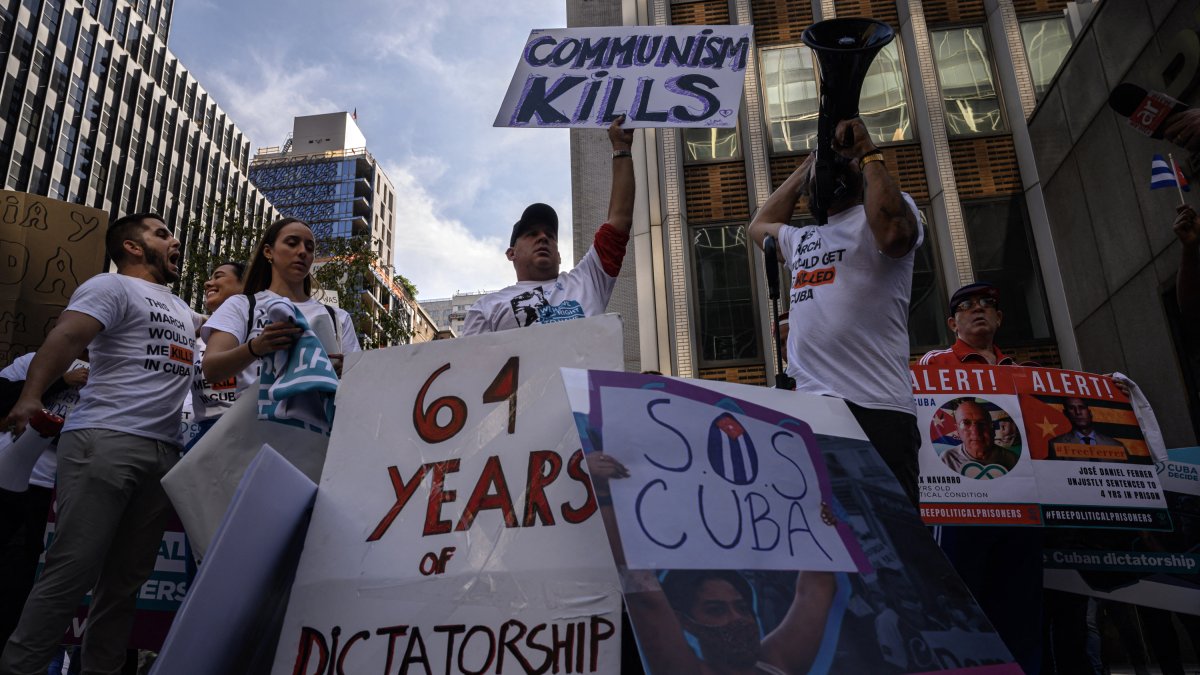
1147,111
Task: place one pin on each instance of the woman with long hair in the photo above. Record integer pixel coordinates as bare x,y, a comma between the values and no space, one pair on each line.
280,268
208,399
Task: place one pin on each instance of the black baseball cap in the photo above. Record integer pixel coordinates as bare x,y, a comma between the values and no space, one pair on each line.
971,290
535,215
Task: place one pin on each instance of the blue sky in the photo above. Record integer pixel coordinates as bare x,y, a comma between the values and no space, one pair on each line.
427,78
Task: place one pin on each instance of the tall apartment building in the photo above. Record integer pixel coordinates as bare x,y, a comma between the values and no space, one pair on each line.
324,175
946,101
96,110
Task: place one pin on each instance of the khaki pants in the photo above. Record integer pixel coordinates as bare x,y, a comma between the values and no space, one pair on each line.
111,515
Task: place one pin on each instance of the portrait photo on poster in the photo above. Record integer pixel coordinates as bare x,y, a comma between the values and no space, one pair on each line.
976,438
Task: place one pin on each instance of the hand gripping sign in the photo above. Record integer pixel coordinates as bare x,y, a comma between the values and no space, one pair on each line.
657,76
455,530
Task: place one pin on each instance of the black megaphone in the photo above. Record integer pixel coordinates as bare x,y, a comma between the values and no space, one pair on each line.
845,49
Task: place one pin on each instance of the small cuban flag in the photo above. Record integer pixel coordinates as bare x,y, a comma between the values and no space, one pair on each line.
1165,174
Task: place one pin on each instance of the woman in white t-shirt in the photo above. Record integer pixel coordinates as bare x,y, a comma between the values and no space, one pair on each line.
207,399
280,267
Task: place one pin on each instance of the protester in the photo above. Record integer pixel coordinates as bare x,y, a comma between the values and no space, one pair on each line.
1187,279
210,398
850,296
280,268
116,445
23,515
542,294
1002,566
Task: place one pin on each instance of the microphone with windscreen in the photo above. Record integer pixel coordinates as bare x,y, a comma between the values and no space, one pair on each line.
1147,111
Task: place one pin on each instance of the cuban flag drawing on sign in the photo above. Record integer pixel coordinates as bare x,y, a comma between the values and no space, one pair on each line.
731,452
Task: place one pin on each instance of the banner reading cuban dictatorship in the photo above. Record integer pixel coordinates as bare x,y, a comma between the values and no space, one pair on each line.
757,529
658,76
1032,446
454,529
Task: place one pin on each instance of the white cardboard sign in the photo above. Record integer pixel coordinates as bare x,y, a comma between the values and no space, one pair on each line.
455,529
658,76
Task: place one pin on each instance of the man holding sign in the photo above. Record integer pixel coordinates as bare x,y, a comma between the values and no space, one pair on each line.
543,295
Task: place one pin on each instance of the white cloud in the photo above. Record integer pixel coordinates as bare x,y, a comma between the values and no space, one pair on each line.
265,97
437,253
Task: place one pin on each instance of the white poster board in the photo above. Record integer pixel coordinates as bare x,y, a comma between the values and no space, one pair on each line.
455,528
658,76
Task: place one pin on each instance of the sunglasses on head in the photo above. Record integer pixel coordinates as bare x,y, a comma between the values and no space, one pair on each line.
985,302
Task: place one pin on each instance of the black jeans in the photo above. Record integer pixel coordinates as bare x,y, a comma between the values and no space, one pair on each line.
895,437
22,537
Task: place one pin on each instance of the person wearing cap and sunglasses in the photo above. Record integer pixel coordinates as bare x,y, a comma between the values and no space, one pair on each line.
544,295
1002,566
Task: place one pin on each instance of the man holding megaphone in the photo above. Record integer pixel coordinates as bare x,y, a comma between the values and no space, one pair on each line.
851,281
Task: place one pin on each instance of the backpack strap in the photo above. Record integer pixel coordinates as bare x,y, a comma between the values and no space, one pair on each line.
337,325
250,315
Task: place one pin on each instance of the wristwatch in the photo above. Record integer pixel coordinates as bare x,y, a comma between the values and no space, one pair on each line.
868,158
621,153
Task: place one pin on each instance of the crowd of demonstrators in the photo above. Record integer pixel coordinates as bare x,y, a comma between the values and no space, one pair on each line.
238,334
544,295
117,443
848,317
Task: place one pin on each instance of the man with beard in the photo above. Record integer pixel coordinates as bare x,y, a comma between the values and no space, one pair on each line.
118,442
717,608
543,295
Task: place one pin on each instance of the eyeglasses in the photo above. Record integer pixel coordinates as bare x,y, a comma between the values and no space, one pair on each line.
985,302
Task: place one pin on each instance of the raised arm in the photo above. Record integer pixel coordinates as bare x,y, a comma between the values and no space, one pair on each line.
779,207
620,203
794,644
70,335
891,220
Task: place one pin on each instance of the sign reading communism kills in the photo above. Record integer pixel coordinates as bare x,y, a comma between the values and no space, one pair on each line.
657,76
455,529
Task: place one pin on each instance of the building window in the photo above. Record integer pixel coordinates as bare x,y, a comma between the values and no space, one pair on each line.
789,82
726,324
883,104
706,145
791,91
928,305
1002,253
969,91
1047,42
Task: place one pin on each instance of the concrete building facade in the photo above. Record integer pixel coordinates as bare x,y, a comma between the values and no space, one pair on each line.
1109,234
450,313
947,102
96,110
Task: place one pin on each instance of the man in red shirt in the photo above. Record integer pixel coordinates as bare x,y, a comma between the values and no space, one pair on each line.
1002,566
975,317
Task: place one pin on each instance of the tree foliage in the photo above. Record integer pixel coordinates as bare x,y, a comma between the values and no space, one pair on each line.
350,267
223,233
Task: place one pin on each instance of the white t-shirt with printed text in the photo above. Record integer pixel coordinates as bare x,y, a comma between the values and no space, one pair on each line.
61,405
581,292
141,361
848,324
231,317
